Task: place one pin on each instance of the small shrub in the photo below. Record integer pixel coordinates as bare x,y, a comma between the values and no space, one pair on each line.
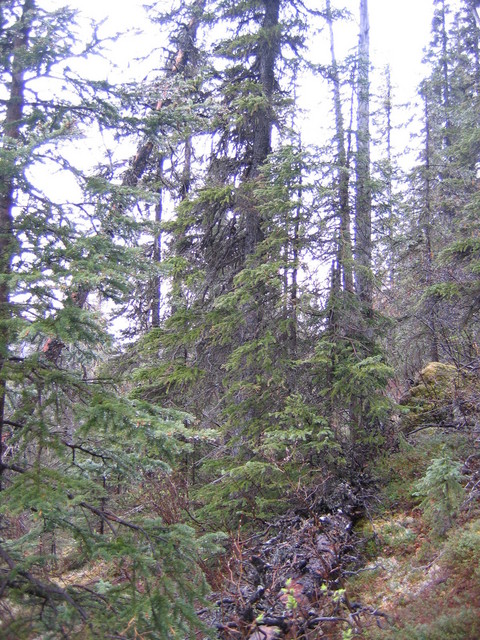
441,491
397,536
462,550
461,625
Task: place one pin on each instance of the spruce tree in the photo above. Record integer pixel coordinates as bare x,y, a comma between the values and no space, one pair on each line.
229,348
75,450
442,225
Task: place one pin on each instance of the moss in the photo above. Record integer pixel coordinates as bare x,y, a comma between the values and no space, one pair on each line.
462,550
442,395
459,625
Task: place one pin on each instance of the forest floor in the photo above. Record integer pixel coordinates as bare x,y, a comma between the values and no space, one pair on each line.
424,577
390,574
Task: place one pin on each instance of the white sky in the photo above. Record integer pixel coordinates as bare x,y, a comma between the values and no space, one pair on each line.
399,31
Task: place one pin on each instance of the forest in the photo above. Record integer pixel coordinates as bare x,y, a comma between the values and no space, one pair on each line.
239,355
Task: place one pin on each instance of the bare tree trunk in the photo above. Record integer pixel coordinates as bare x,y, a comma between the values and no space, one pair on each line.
389,174
431,320
11,128
363,205
345,258
157,249
446,83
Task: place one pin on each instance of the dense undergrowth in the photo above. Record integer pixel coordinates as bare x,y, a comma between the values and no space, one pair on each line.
422,537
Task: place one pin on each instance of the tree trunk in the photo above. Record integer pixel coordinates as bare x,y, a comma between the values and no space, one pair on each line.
157,249
344,254
363,205
446,83
262,138
431,320
11,128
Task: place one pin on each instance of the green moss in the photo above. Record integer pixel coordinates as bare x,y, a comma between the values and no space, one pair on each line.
462,550
460,625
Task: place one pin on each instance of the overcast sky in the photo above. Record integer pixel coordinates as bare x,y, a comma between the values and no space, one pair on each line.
399,31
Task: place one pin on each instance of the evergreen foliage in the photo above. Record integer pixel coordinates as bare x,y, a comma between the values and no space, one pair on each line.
264,299
442,224
442,492
73,445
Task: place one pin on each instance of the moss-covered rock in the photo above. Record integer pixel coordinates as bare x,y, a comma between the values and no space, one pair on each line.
436,380
441,396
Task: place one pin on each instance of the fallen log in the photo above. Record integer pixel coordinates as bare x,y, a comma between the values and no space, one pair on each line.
291,582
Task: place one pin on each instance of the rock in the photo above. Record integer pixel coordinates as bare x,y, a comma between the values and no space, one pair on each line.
432,398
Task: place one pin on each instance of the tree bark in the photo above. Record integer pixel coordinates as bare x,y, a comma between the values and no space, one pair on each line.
363,205
344,253
431,320
389,172
11,129
446,83
157,249
263,119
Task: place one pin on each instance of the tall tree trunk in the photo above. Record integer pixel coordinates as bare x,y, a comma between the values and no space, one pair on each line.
294,284
344,254
445,80
363,204
11,129
389,173
262,138
157,248
431,320
266,56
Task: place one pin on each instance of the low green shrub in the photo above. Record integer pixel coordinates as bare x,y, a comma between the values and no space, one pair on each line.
462,550
441,491
463,624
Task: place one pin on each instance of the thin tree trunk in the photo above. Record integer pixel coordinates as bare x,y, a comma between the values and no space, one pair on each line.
427,231
11,128
345,259
294,286
446,83
389,174
363,205
157,249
